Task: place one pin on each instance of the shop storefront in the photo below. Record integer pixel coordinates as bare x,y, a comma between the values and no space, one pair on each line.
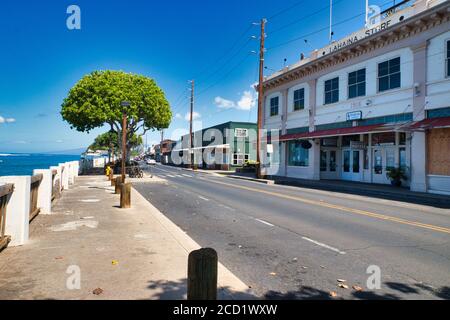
364,157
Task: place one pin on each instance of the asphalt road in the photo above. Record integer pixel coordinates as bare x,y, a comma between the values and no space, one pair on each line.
287,242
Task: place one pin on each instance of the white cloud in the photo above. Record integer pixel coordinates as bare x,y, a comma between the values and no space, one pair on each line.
246,102
59,141
224,103
195,116
178,116
7,120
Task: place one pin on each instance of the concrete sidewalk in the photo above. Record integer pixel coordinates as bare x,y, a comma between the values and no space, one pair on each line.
134,253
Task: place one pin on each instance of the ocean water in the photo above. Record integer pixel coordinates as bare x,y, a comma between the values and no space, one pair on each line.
17,164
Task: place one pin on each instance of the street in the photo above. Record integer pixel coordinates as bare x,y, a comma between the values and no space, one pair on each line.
292,243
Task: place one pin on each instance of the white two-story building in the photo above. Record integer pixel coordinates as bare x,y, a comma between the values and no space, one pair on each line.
375,100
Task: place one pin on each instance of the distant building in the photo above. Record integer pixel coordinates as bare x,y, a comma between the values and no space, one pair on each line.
166,150
222,146
375,100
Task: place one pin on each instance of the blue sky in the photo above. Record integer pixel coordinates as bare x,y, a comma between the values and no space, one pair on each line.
170,41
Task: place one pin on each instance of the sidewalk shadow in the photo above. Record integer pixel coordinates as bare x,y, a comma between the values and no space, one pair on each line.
176,290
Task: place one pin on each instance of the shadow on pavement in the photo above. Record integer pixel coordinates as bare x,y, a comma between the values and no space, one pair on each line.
176,290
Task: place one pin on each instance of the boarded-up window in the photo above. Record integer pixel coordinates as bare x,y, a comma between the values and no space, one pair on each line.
438,145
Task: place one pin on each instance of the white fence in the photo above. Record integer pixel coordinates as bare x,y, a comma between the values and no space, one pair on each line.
28,197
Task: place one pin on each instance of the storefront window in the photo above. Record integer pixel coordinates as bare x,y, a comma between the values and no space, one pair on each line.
329,142
323,161
298,156
332,161
346,161
390,159
378,162
347,139
366,159
402,138
356,161
402,158
383,139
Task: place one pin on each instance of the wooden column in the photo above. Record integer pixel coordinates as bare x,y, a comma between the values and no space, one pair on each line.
125,196
118,185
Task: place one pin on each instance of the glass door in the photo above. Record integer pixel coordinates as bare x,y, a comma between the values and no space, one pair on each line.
351,165
383,160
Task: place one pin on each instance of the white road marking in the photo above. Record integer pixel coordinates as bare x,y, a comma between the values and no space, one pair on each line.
228,208
171,176
186,175
323,245
265,222
203,198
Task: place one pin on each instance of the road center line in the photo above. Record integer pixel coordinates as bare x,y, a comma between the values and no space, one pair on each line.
337,207
203,198
265,222
323,245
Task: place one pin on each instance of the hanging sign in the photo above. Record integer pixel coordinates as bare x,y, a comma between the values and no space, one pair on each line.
354,115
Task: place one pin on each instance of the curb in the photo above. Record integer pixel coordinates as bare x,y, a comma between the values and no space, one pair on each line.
230,285
265,181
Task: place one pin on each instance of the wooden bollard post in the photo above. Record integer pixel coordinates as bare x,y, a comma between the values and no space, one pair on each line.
202,275
113,182
125,196
118,185
111,175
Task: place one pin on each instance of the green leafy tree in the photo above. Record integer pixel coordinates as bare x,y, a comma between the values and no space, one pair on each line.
105,140
96,100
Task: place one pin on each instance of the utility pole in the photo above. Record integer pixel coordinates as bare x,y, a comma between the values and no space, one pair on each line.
260,98
191,137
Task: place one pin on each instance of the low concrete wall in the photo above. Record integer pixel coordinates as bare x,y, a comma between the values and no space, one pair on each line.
44,200
18,209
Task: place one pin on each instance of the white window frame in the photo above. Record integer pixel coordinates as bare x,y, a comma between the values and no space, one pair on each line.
278,106
239,158
357,83
325,91
293,99
447,57
378,74
242,130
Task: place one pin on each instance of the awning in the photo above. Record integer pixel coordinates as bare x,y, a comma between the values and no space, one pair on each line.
333,132
432,123
219,146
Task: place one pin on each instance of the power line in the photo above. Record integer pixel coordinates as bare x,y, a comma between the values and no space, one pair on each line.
228,61
226,54
314,32
303,18
286,9
225,76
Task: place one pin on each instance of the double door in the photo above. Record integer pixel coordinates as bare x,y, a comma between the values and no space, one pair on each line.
352,164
